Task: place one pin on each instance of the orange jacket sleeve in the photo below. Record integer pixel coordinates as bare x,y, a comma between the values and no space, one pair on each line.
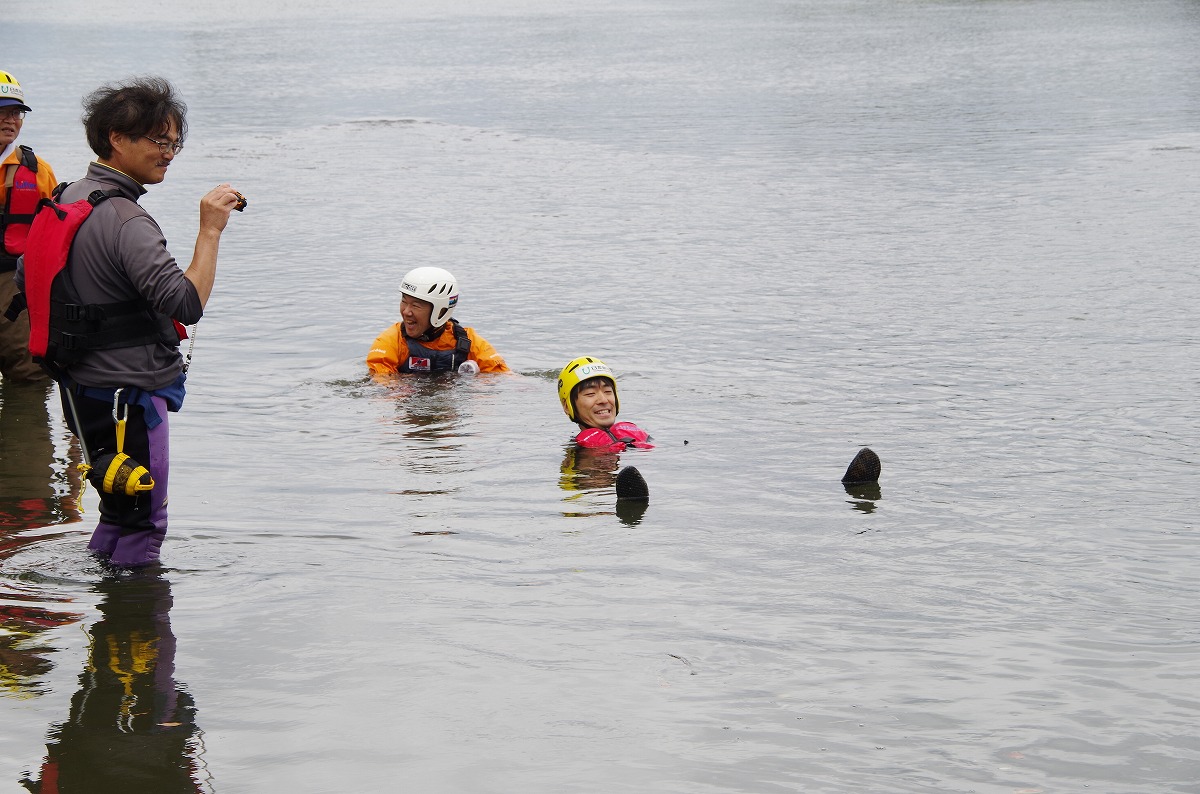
45,179
385,354
485,355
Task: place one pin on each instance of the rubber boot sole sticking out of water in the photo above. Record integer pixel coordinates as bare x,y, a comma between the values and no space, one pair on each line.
631,486
864,469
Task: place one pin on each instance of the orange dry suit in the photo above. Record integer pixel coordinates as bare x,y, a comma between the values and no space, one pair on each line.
26,181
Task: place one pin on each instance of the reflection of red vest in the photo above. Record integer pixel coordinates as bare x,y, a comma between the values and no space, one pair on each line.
21,202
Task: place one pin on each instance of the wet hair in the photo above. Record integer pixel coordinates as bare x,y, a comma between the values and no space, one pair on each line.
137,107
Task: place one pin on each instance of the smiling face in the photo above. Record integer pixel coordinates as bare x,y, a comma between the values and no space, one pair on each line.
596,403
10,124
415,314
140,157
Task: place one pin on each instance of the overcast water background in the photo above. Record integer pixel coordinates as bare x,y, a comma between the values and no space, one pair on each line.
961,233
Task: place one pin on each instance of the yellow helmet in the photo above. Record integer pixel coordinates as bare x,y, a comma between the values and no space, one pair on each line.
576,372
11,92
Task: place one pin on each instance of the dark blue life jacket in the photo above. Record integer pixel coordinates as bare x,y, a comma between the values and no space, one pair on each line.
423,359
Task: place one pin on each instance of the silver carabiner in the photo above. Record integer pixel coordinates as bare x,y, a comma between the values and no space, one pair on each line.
116,405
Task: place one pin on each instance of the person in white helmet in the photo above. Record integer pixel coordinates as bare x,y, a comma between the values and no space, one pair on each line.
428,338
25,179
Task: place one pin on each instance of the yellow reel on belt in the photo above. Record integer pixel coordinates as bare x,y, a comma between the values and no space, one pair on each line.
117,473
121,474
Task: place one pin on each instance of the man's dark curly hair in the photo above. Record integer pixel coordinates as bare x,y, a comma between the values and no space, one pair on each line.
138,107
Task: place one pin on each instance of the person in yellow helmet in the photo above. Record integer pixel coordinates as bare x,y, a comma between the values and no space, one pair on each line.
25,179
587,390
428,339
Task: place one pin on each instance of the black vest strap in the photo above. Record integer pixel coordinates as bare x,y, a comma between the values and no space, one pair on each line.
440,360
15,306
462,344
28,158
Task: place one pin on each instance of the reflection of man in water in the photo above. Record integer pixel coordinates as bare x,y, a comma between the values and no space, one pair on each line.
28,496
28,499
586,469
131,729
24,652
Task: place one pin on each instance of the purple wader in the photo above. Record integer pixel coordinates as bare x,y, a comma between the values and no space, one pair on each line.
131,529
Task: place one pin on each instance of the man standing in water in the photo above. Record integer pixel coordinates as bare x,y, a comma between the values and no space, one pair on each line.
27,179
109,325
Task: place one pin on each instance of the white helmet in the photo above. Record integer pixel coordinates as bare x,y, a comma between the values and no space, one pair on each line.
433,285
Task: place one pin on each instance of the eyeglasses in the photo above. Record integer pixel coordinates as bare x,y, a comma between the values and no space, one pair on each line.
175,147
11,113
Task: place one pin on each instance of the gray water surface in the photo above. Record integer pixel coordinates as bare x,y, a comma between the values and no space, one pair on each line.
960,233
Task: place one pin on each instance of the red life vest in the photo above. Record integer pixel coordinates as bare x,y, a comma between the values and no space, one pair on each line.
615,438
55,231
61,327
20,205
